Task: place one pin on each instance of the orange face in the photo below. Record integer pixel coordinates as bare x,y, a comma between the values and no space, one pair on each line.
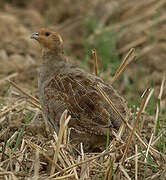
48,39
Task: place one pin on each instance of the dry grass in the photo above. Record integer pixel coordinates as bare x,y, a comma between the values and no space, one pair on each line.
115,162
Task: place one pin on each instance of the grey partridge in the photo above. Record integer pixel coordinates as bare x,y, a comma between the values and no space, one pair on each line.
62,85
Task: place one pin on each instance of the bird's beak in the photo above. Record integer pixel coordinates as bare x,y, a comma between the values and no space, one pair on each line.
35,36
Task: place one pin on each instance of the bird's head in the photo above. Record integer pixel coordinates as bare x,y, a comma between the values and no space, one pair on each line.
49,40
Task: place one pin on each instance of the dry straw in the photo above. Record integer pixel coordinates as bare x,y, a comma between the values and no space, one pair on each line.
68,162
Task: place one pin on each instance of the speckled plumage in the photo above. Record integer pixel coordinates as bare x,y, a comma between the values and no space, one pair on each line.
62,86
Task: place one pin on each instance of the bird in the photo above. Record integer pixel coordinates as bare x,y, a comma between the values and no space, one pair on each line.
64,85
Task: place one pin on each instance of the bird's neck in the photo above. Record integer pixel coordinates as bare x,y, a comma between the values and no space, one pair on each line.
52,58
52,53
52,64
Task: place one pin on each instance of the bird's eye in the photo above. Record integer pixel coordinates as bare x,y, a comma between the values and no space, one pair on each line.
47,33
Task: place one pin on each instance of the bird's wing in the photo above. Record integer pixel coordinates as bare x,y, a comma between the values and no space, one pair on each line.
77,91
